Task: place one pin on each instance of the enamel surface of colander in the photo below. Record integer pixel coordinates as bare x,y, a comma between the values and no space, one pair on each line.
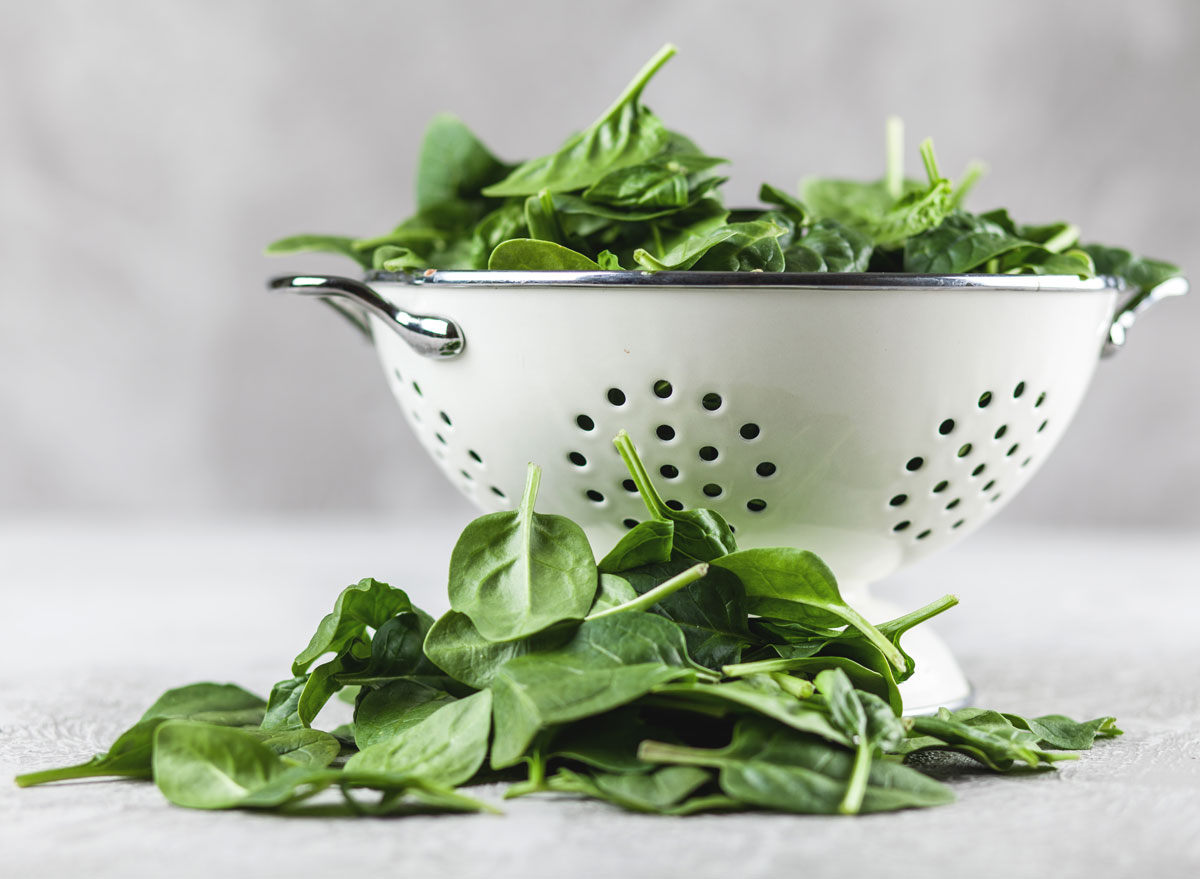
871,426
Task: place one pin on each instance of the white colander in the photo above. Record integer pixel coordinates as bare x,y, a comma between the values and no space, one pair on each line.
869,418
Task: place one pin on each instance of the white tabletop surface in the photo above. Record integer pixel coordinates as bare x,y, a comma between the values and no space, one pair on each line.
99,619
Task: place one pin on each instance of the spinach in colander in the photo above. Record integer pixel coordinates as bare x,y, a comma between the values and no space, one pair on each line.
644,681
628,193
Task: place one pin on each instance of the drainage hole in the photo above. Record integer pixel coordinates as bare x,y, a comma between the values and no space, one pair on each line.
665,432
978,471
675,505
711,402
1013,450
446,418
732,528
1027,462
991,483
1042,426
585,423
984,399
1001,431
924,534
416,415
708,453
474,456
399,377
996,497
1018,390
417,388
766,468
898,500
629,485
964,450
756,505
954,503
901,526
593,495
669,472
662,388
1040,400
466,475
941,486
713,490
616,396
914,464
577,459
946,426
630,523
959,523
441,439
498,493
749,431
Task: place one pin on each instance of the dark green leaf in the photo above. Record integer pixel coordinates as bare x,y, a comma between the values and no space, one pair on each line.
367,604
531,255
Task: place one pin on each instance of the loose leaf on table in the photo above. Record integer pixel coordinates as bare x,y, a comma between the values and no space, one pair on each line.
1062,733
446,748
775,767
517,573
609,662
700,535
203,766
986,736
712,612
625,134
131,753
310,748
655,792
367,604
794,584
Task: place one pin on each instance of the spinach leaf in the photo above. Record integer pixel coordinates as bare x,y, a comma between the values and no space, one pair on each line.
627,133
828,246
699,535
654,792
986,736
338,244
283,704
453,163
517,573
456,647
775,767
309,748
609,741
446,748
646,543
614,592
609,662
669,180
794,584
532,255
367,604
1063,733
385,711
1144,274
128,756
735,247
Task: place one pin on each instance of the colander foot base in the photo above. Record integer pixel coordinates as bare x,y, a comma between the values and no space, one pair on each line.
938,681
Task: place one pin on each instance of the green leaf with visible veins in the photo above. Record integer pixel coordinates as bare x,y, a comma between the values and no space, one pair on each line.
367,604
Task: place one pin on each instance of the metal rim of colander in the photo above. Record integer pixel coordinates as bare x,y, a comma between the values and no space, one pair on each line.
797,280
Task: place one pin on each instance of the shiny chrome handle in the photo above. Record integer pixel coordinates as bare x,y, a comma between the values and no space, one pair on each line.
1132,307
428,335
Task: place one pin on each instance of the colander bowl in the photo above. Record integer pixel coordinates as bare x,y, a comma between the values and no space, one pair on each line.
872,419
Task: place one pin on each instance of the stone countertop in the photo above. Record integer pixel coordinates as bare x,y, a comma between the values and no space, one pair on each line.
99,619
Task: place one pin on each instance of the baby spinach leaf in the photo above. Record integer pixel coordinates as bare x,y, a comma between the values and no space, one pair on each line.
961,243
627,133
654,792
338,244
385,711
986,736
735,247
1063,733
712,613
650,599
202,766
397,652
699,535
128,756
794,584
283,705
614,592
517,573
1144,274
453,163
531,255
828,246
646,543
456,647
226,704
309,748
367,604
789,205
775,767
446,748
669,180
609,662
608,741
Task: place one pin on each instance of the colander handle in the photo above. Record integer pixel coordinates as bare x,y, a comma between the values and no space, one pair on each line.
428,335
1132,307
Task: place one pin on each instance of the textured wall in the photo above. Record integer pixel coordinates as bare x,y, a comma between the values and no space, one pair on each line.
148,150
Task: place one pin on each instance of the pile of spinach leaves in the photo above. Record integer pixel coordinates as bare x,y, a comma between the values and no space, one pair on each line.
627,193
678,674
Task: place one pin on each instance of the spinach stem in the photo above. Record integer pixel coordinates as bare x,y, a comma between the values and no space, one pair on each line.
852,800
657,594
643,76
798,687
533,479
930,161
66,773
1067,237
762,666
660,752
906,621
975,170
894,170
650,496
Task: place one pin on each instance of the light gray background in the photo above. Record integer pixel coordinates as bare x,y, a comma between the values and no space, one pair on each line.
149,150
